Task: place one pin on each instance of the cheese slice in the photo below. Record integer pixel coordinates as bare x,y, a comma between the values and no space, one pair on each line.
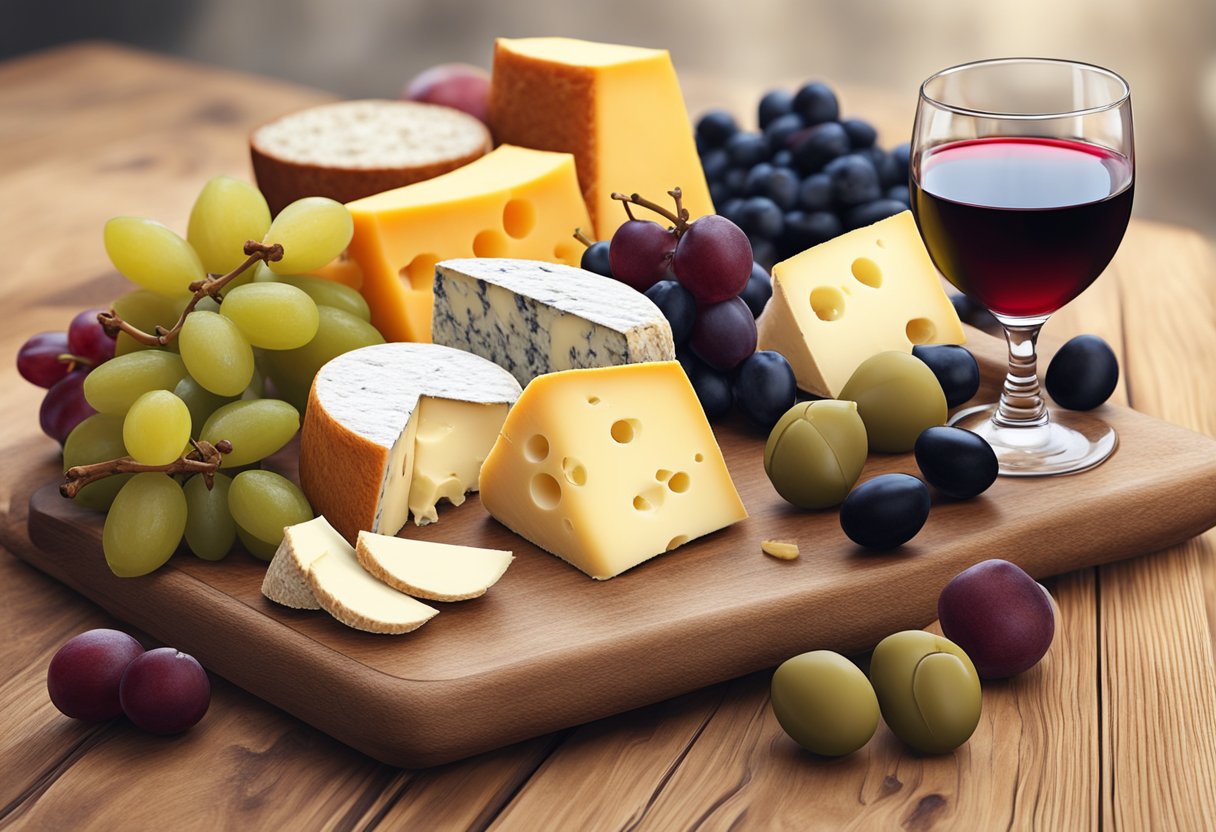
512,202
843,301
608,467
534,318
437,571
393,428
345,590
286,580
618,109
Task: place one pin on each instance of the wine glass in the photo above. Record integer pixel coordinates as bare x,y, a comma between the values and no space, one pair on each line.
1022,174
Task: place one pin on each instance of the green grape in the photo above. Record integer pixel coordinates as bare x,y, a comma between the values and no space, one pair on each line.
263,503
210,529
330,293
339,332
207,304
312,231
200,401
115,384
145,309
156,428
216,354
144,526
257,384
227,214
273,316
255,427
96,439
260,549
263,274
151,255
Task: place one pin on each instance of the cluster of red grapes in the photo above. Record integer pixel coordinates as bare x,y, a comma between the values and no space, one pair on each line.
102,674
702,277
58,362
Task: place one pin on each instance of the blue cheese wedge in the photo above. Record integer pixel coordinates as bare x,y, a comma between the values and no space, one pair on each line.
534,318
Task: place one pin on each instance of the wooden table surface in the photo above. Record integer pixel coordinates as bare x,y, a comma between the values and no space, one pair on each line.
1116,728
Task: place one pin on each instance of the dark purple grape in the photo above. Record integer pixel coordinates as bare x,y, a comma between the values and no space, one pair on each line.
1083,373
64,407
719,193
715,128
760,217
782,188
861,133
678,307
38,359
758,290
87,338
640,253
815,193
713,259
765,252
779,132
734,179
956,370
819,146
715,163
773,105
886,511
595,259
901,155
757,179
855,181
899,193
871,212
806,229
816,103
731,208
764,388
784,158
724,334
165,691
85,672
712,387
747,149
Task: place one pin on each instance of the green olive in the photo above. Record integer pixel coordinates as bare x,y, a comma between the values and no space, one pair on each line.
815,453
825,703
897,396
928,690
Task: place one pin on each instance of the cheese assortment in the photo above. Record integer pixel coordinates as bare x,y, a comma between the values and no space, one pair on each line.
609,467
533,318
436,571
869,291
512,202
618,109
391,429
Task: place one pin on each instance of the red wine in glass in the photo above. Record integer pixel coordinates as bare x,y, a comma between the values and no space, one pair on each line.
1022,224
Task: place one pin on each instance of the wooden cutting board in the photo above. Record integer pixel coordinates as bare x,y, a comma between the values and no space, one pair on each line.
548,648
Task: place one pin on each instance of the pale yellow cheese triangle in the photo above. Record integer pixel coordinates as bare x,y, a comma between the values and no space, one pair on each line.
436,571
286,580
347,592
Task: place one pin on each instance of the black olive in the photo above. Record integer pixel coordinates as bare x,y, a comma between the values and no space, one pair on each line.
957,462
955,368
1083,374
886,511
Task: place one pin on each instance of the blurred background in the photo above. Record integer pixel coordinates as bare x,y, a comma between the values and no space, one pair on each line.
877,48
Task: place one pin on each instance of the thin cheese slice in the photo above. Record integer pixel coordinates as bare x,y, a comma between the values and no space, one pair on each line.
286,580
436,571
393,428
346,591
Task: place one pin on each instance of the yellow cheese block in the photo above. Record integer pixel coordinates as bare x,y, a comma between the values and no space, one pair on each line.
618,109
843,301
608,467
512,202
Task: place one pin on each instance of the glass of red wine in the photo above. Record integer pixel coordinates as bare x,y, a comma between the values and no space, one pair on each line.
1022,174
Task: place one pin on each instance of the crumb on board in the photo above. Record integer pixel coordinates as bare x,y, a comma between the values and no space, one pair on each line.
780,549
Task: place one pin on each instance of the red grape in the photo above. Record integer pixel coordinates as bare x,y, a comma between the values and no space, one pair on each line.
38,359
84,674
640,253
64,407
164,691
87,338
724,334
713,259
460,86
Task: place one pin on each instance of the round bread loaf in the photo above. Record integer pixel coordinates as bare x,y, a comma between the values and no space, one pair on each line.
352,149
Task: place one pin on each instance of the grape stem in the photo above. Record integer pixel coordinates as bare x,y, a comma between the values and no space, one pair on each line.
74,362
205,459
208,287
678,220
583,238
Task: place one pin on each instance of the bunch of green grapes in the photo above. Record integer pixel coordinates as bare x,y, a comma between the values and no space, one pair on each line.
207,383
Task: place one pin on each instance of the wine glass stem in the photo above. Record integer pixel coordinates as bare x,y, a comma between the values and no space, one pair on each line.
1021,403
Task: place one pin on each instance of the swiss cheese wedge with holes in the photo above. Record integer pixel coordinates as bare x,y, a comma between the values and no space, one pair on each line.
512,202
608,467
869,291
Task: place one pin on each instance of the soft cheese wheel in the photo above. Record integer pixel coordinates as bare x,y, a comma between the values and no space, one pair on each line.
352,149
618,109
395,427
435,571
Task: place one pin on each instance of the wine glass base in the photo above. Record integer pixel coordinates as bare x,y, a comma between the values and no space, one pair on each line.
1068,444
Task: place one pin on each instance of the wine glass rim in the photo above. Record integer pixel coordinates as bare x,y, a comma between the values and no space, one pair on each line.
1118,101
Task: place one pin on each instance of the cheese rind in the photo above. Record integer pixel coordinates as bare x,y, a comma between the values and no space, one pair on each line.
435,571
512,202
534,318
843,301
346,591
358,443
608,467
286,580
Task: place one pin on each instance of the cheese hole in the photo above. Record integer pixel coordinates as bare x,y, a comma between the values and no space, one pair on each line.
546,491
699,458
649,500
567,253
420,272
568,525
641,503
490,243
920,330
679,482
624,430
536,448
678,540
575,473
593,400
881,244
867,271
662,475
827,303
519,218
